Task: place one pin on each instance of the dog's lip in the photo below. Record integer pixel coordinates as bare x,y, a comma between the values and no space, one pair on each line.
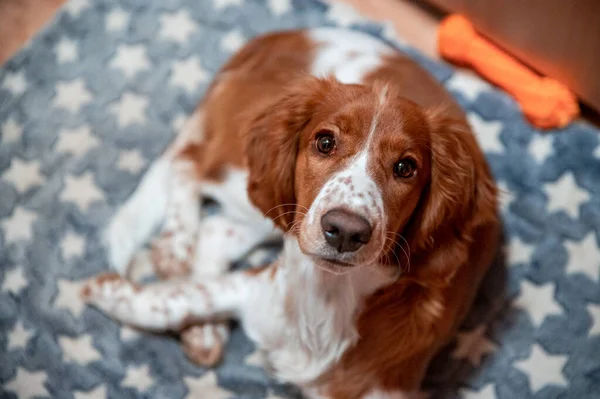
332,261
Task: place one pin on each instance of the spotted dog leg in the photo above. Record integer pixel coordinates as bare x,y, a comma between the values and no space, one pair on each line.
171,305
222,241
145,210
173,250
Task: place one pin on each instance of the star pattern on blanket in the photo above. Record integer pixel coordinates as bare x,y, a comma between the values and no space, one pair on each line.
538,301
130,109
543,368
138,377
96,96
188,74
130,59
72,95
177,26
19,337
14,280
29,384
116,20
76,141
205,386
11,130
232,41
66,50
15,83
565,195
19,226
80,350
24,175
81,190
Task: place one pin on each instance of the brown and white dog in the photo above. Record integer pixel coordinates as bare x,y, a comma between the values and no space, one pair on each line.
368,168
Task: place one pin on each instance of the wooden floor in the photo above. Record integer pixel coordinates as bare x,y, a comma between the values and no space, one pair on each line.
21,19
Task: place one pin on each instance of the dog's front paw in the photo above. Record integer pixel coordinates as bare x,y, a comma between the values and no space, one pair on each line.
203,344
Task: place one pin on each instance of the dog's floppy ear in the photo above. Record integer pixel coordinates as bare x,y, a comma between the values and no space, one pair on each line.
272,146
461,195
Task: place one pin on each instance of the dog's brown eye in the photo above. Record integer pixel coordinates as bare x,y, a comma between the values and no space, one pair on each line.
325,142
405,168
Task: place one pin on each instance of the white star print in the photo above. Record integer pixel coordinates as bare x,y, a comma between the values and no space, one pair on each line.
584,257
28,384
538,301
473,345
130,59
220,4
597,151
131,161
543,369
177,26
15,83
256,358
14,280
519,252
11,131
81,190
72,245
280,7
205,387
19,337
66,50
487,392
565,195
68,297
98,393
232,41
79,350
138,378
24,175
540,147
343,14
187,74
487,133
72,95
467,84
19,226
76,141
130,109
75,7
594,311
116,20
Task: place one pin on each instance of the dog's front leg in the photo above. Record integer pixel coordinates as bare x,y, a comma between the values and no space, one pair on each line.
171,305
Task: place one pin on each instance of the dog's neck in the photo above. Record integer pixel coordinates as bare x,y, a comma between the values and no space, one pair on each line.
321,307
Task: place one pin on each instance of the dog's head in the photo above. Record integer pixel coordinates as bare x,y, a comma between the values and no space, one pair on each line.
361,175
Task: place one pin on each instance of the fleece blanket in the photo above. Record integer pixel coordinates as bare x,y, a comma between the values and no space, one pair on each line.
94,98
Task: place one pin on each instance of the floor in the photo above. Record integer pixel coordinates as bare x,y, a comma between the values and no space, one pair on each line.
21,19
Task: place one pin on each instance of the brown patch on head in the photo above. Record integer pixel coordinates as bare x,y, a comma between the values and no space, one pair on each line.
246,85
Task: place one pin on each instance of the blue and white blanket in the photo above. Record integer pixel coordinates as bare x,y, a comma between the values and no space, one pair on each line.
95,97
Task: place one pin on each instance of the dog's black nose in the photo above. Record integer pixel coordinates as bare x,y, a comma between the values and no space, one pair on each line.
345,231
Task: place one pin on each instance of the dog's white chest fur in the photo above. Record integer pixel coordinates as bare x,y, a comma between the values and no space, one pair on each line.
306,321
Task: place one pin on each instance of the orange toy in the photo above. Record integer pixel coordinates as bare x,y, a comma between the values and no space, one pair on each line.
545,102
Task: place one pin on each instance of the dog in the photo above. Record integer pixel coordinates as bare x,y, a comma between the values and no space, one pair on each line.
367,170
